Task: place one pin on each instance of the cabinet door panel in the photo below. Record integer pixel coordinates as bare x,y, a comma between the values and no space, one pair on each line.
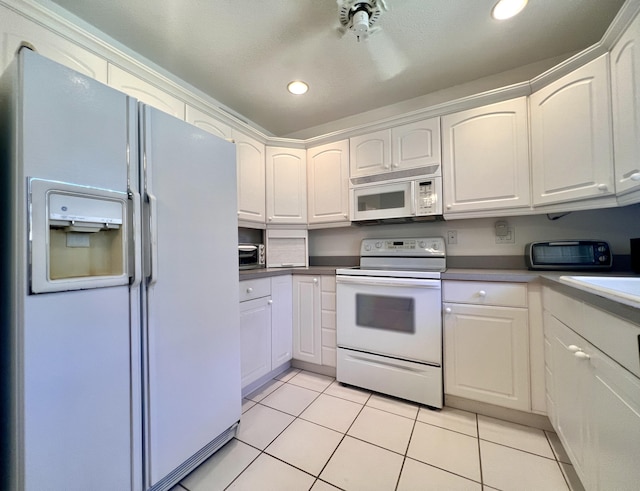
614,399
487,354
281,320
569,391
486,158
255,339
286,186
307,335
416,144
571,136
145,92
370,154
625,90
328,182
250,165
207,123
17,30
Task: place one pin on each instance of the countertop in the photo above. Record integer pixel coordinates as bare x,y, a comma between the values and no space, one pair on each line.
551,279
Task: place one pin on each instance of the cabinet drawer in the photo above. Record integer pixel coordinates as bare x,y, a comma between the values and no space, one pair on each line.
250,289
485,293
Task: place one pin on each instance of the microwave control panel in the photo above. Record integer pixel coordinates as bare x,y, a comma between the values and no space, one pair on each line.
427,197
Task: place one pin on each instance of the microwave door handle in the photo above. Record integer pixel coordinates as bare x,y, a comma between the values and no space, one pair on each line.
412,209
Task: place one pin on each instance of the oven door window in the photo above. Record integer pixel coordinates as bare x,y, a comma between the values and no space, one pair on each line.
395,314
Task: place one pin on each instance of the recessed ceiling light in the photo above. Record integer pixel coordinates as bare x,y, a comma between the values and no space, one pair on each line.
297,87
505,9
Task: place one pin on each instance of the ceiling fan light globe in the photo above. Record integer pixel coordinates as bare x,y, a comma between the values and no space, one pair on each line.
360,24
505,9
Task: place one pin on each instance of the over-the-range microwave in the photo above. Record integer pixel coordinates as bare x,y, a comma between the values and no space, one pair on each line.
413,194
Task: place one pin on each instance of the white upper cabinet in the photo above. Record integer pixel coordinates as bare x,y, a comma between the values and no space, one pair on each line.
207,123
370,153
328,183
572,155
145,92
250,160
625,91
286,185
485,158
403,147
17,30
415,144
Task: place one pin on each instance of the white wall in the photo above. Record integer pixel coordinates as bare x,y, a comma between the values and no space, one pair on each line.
477,236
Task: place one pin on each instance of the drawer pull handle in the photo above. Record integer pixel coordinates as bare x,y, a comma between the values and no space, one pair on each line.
482,293
270,301
249,290
573,348
448,310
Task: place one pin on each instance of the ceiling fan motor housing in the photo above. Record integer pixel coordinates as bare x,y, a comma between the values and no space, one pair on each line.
360,15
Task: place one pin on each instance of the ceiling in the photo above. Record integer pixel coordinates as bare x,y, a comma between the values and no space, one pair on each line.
244,52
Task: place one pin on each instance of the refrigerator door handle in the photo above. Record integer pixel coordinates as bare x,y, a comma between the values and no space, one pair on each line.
153,238
137,254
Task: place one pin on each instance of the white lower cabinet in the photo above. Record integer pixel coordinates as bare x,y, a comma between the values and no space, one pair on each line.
486,343
314,319
307,337
255,339
595,401
265,326
281,320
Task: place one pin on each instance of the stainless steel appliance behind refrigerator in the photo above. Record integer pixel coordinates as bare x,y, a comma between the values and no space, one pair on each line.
119,318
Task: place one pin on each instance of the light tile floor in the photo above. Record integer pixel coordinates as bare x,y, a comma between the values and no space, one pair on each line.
305,431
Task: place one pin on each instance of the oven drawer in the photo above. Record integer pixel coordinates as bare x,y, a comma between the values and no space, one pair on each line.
485,293
400,378
250,289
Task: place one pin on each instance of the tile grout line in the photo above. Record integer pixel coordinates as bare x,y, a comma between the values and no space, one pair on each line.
262,451
479,451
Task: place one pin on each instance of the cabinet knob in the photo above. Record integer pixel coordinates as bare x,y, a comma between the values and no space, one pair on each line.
386,166
482,293
448,207
603,187
269,301
581,355
448,310
635,176
573,348
315,280
270,219
249,290
395,165
347,216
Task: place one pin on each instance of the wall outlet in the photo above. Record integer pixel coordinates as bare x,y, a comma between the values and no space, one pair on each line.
452,236
508,238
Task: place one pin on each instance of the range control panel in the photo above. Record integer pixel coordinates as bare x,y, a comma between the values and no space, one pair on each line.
404,247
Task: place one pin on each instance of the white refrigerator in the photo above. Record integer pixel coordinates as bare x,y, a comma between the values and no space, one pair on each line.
120,332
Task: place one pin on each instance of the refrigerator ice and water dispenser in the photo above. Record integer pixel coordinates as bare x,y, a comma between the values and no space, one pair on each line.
78,237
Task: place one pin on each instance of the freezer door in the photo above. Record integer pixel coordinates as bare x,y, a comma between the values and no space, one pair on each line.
75,373
192,342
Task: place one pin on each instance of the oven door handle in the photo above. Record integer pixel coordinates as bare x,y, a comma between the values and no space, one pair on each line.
398,282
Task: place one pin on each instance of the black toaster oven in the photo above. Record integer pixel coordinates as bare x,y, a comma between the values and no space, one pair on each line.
569,255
